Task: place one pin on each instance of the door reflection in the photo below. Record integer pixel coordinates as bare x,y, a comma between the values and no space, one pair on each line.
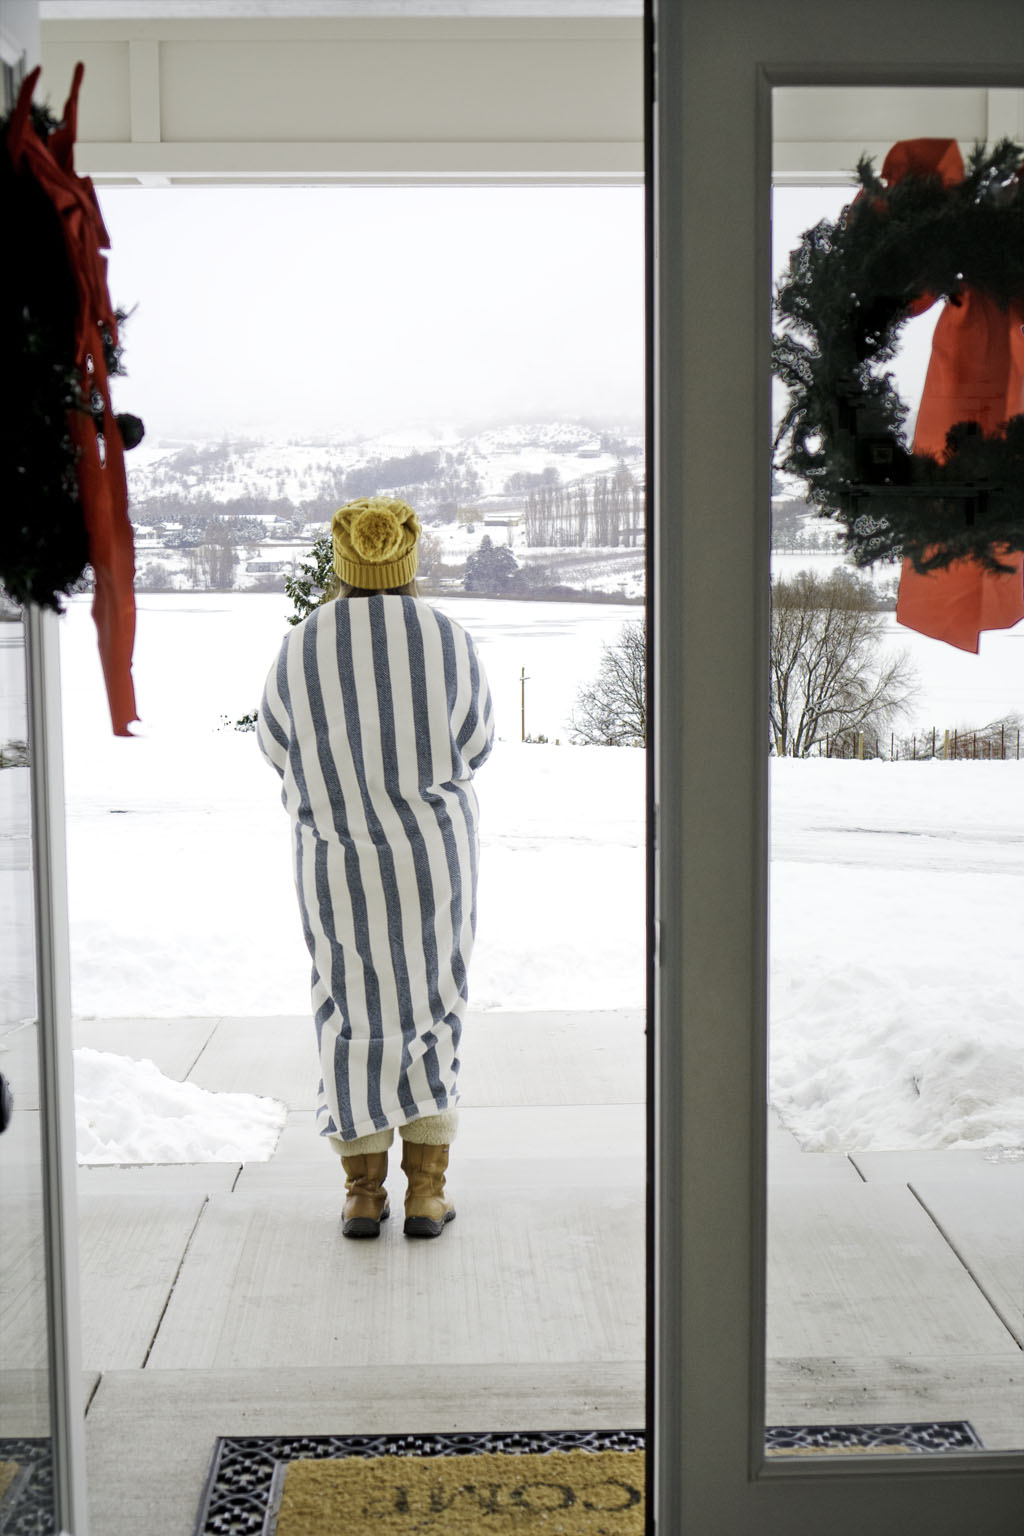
896,1160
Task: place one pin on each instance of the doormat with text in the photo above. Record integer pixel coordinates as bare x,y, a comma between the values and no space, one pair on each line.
246,1491
560,1493
26,1486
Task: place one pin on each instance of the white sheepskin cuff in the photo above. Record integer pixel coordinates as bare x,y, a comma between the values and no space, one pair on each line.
432,1130
362,1146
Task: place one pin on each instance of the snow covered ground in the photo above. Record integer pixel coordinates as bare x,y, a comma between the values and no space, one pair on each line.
896,888
180,882
897,953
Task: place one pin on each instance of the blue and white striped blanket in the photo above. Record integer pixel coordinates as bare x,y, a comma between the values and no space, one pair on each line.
376,715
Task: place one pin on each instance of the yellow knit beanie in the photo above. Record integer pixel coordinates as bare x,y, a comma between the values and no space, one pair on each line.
375,543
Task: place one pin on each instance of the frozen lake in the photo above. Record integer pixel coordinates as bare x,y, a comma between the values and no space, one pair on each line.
201,655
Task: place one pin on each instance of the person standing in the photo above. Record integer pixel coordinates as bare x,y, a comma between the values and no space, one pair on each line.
376,715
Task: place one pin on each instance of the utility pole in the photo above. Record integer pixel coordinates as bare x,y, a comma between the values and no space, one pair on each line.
523,680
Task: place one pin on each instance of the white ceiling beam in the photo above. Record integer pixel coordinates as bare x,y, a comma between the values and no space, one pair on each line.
820,132
366,100
144,91
432,98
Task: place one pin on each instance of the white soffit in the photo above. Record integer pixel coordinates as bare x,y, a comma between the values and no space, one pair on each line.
425,91
162,10
415,97
820,132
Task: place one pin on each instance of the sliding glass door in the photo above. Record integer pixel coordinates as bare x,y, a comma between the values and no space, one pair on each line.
838,1303
42,1430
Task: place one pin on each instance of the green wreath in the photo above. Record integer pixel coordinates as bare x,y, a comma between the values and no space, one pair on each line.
847,293
44,547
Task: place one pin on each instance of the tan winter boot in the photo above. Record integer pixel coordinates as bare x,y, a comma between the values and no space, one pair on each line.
366,1202
426,1209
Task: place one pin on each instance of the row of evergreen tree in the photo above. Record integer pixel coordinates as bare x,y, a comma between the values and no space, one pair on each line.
605,512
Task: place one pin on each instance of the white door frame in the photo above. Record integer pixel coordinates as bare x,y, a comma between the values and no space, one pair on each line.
56,1072
19,52
716,62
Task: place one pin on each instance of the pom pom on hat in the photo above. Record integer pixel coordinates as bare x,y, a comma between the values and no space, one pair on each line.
375,543
376,535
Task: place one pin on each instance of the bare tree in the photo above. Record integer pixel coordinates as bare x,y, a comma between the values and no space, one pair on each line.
828,671
828,674
431,555
612,711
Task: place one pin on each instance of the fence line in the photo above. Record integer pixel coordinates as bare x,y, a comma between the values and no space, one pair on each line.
941,745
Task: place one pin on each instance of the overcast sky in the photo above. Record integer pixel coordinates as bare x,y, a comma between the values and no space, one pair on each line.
281,312
284,311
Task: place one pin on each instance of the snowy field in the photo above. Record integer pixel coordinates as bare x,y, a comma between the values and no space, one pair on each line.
180,879
896,888
897,954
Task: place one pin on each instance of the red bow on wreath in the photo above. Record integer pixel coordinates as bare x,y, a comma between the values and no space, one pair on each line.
975,373
102,487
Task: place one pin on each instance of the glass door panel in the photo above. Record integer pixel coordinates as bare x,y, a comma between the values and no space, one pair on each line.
26,1479
895,1285
721,1376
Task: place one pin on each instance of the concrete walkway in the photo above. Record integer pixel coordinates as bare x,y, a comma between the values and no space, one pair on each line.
222,1300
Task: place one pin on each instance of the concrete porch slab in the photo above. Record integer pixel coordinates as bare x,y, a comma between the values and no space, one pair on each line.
533,1276
986,1390
509,1059
172,1044
157,1180
862,1269
130,1249
941,1163
610,1137
536,1059
983,1222
163,1424
273,1057
25,1401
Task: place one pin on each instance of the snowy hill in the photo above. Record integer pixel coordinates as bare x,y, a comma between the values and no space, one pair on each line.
268,501
297,470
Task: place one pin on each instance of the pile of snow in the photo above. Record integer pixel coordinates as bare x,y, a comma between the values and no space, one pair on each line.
129,1112
896,1002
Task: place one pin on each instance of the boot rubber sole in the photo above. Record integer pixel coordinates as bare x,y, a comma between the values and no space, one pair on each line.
424,1226
364,1226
